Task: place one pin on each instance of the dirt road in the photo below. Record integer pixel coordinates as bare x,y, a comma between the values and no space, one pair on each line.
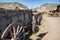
53,28
52,25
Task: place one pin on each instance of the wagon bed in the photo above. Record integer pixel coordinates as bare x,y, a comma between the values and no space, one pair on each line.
9,16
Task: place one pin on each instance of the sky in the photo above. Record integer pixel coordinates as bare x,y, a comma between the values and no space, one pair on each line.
33,3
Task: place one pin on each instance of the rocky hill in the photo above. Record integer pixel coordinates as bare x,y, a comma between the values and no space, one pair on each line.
12,5
46,7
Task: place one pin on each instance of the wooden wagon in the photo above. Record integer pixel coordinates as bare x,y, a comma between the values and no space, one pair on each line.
16,25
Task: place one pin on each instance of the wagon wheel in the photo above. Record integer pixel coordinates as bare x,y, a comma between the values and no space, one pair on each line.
14,29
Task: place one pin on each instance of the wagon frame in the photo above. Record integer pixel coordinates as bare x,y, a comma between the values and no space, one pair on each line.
20,24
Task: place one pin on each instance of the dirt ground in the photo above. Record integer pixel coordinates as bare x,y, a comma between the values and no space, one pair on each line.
50,25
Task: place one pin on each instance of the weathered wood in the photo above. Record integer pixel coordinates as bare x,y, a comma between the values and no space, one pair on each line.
21,19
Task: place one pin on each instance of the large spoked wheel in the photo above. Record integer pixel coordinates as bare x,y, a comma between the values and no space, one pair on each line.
14,31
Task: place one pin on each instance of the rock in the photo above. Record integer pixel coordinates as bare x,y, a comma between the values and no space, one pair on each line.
12,5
